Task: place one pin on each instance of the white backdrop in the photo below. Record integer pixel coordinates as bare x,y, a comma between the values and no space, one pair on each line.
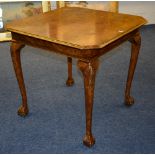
141,8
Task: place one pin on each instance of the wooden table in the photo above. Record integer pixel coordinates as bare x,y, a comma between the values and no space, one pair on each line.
79,33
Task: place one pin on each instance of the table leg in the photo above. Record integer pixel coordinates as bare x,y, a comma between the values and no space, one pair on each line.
15,54
88,70
136,42
70,80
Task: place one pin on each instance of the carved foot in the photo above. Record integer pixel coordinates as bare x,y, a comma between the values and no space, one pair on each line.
70,82
88,141
22,111
129,101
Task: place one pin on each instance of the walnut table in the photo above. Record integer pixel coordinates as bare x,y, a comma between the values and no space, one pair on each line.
79,33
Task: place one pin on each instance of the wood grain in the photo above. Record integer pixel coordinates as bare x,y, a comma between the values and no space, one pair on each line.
77,27
79,33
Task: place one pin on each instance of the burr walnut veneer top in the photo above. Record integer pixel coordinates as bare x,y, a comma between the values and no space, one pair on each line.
77,27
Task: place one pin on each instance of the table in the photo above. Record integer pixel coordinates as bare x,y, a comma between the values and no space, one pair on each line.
79,33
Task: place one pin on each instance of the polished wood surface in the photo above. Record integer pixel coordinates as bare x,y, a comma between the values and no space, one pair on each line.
49,31
89,73
78,27
113,6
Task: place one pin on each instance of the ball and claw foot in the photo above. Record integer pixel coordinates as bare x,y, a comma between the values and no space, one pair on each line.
88,141
22,111
129,100
69,82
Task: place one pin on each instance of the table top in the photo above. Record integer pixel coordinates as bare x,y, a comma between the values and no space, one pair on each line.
77,27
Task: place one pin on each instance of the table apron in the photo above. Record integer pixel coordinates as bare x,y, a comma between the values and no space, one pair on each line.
82,54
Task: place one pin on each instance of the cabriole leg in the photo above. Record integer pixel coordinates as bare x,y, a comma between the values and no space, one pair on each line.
70,80
88,70
15,54
135,42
